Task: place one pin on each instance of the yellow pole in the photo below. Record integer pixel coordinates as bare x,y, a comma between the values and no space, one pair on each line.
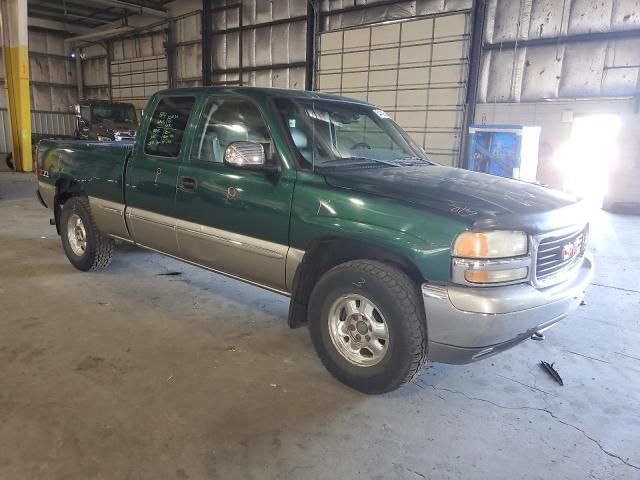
15,43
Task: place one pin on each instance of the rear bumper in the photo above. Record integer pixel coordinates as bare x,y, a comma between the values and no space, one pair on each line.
467,324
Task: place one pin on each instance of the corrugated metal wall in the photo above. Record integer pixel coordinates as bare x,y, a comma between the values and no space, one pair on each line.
563,64
132,68
53,87
259,42
188,31
53,74
95,72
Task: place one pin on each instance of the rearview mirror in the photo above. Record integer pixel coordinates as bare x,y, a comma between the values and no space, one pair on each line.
248,155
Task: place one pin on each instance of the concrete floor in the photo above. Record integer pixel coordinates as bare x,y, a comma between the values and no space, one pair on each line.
130,374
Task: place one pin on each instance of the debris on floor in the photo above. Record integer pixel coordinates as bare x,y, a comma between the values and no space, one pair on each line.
537,336
171,274
549,368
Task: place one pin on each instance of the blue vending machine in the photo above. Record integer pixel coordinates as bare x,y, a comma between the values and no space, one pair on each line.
504,150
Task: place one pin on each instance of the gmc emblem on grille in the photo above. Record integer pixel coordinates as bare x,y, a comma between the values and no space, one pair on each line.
570,250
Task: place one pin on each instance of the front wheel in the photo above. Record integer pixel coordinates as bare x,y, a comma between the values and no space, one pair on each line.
368,325
86,248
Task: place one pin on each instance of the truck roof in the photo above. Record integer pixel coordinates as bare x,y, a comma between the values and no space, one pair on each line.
272,92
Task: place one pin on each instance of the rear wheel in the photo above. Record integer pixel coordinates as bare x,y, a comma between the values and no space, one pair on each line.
368,326
86,248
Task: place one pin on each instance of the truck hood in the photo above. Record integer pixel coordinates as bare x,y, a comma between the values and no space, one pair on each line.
483,202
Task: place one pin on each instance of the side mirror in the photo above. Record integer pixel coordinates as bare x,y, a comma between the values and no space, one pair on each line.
247,155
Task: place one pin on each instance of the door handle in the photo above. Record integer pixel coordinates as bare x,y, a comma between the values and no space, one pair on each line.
188,184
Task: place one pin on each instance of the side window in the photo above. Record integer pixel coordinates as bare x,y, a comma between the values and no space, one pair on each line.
226,120
167,126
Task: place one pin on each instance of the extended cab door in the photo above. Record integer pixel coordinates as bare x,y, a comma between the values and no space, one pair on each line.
152,172
229,219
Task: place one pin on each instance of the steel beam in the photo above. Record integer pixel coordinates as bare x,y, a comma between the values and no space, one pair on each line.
55,11
171,49
79,76
132,7
100,34
206,42
261,68
61,17
581,37
313,18
475,60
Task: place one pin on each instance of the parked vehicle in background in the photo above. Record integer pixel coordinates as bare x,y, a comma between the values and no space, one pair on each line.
105,121
392,259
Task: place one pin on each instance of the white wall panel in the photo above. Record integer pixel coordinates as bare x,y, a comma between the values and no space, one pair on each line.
583,68
281,46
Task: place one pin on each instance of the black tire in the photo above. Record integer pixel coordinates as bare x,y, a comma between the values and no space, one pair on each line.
99,247
397,298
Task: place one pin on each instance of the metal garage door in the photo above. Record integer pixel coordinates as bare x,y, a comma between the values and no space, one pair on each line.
139,68
416,70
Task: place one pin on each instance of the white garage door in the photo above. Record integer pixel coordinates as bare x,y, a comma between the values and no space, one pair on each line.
138,69
416,70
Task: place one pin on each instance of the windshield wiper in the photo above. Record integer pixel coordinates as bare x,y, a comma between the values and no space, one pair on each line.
357,161
412,161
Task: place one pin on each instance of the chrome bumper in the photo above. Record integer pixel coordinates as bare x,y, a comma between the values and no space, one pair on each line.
466,324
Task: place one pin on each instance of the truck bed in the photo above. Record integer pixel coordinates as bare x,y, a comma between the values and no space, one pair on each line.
99,166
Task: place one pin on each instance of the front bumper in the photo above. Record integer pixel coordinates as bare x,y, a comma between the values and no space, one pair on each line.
466,324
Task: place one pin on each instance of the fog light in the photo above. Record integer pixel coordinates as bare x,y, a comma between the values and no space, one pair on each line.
496,276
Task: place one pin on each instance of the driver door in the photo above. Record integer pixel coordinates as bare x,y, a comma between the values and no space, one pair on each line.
229,219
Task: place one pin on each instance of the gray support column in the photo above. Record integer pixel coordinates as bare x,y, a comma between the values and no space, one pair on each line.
79,76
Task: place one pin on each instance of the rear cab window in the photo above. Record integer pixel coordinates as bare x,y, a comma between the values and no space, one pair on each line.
167,126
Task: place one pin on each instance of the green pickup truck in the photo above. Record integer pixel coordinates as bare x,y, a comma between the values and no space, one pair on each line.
391,259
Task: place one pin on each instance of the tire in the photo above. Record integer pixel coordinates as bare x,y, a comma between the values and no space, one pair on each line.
394,306
98,248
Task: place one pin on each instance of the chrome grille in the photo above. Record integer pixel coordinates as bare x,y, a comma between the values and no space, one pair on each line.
550,252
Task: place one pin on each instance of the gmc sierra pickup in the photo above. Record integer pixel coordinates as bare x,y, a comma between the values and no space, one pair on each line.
391,259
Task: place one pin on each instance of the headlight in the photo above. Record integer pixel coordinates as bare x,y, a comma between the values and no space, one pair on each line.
102,138
496,244
490,258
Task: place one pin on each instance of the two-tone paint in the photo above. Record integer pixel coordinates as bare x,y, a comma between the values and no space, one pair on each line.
257,225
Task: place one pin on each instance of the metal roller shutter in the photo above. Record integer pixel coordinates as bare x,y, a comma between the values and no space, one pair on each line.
416,70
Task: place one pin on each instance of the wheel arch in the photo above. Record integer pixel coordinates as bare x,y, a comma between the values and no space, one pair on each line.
324,254
65,189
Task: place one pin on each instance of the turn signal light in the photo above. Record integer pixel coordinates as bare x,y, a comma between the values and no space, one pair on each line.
495,276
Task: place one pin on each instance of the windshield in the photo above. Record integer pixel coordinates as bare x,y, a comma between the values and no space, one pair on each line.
114,112
335,134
